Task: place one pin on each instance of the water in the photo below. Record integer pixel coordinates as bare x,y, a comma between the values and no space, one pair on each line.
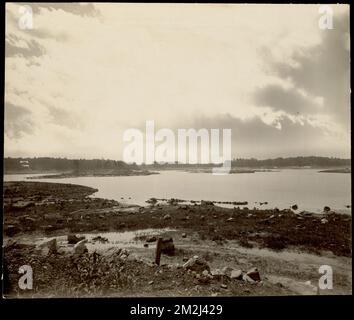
307,188
126,239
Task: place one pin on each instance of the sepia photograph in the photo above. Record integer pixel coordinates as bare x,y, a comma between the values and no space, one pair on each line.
176,150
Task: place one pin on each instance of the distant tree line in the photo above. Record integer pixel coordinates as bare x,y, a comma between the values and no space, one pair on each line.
80,165
62,164
292,162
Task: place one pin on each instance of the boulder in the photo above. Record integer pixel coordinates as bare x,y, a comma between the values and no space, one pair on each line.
73,239
196,264
253,274
326,209
294,207
226,271
80,247
236,274
247,278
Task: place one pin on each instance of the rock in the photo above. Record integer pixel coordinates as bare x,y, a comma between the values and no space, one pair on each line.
254,274
80,247
99,239
151,282
184,235
247,278
223,285
151,239
146,245
326,209
226,271
217,273
73,239
230,220
205,273
123,254
23,204
11,230
324,220
52,246
196,264
167,246
167,217
294,207
236,274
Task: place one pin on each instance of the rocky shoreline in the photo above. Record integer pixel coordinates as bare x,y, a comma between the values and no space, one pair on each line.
51,210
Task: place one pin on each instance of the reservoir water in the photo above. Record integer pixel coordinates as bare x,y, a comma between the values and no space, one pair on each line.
307,188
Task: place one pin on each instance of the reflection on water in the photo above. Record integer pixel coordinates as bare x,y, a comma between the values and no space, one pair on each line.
307,188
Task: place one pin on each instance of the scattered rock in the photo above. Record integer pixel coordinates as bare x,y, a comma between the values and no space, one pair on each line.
151,239
196,264
253,274
73,239
236,274
100,239
247,278
80,247
227,271
205,273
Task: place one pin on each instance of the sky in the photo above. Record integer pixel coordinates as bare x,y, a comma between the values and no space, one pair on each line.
85,73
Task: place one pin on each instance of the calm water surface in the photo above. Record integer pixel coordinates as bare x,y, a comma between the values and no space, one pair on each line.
307,188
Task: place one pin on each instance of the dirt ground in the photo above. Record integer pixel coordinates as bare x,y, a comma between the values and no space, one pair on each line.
286,246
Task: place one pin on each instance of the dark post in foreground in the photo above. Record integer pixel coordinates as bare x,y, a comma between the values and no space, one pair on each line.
158,251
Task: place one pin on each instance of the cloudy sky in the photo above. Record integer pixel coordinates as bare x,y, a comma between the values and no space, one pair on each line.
86,72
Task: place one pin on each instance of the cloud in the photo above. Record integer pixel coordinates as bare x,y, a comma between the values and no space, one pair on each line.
290,100
64,118
82,9
17,121
86,79
254,138
322,70
15,46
